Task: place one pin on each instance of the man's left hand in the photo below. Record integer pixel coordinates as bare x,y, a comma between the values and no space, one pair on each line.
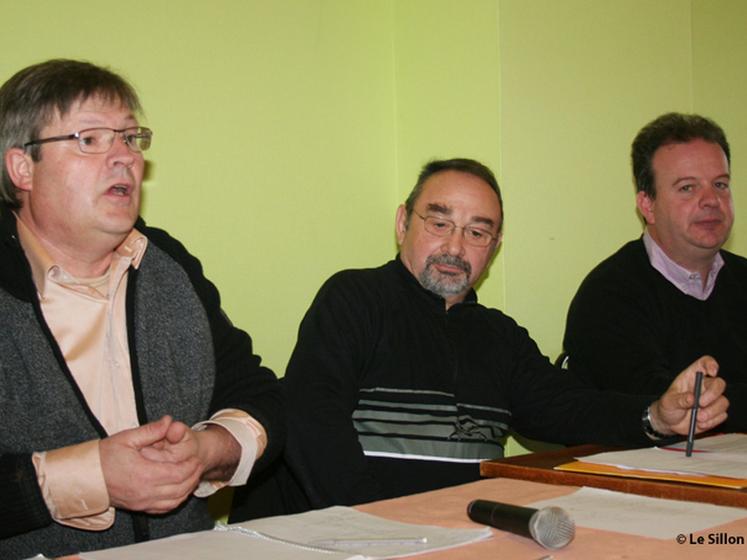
216,449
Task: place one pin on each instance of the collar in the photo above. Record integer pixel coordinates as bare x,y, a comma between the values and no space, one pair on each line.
43,267
689,283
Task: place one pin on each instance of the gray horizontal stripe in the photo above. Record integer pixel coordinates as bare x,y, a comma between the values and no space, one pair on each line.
432,406
406,391
482,407
417,406
446,449
409,456
408,426
384,417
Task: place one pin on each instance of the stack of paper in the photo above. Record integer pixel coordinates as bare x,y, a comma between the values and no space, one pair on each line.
335,533
639,515
716,461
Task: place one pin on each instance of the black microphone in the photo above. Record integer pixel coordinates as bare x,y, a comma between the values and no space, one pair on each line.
551,527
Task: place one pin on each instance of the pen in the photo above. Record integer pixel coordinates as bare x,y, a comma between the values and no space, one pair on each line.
694,414
353,543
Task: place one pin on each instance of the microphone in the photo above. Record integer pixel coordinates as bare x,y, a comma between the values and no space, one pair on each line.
551,527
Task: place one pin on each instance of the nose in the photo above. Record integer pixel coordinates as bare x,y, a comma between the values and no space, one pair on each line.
709,196
454,242
120,152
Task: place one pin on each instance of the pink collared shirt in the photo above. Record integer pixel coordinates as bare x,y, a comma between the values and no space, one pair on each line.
87,318
690,283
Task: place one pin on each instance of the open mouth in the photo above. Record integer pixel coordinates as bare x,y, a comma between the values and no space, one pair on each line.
119,190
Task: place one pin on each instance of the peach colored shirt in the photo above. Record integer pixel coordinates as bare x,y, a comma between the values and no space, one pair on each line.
87,318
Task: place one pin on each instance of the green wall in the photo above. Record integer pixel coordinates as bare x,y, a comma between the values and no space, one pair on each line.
287,132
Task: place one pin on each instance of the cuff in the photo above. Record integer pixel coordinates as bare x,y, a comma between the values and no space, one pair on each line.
251,437
73,486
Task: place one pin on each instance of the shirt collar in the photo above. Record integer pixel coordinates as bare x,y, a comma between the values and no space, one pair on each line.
687,282
43,266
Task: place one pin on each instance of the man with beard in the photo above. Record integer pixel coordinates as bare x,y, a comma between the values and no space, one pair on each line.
673,294
401,382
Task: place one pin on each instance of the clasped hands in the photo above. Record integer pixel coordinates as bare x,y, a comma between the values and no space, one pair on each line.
671,413
155,467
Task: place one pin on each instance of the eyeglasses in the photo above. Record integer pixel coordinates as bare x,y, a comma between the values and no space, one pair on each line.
441,227
100,140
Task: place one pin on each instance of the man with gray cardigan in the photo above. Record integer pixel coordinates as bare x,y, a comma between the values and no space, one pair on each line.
126,393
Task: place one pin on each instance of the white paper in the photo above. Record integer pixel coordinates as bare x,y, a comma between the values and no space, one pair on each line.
724,455
641,515
346,523
296,537
224,545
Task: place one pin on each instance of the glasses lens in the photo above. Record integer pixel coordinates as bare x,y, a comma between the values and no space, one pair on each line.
438,226
95,140
477,237
139,138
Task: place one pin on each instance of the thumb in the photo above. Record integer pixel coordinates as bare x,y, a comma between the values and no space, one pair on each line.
150,433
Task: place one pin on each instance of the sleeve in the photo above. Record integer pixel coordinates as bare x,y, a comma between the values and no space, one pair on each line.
72,483
241,381
322,380
23,507
251,437
549,404
613,338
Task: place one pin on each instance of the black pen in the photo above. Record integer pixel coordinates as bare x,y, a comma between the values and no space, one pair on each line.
694,414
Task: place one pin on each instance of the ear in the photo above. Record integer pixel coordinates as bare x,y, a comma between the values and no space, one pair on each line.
400,224
645,205
498,241
20,168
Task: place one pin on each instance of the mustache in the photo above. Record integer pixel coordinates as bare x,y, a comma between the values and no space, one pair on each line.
449,260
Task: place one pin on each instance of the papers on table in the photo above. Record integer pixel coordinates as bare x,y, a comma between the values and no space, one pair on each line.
335,533
718,460
639,515
226,545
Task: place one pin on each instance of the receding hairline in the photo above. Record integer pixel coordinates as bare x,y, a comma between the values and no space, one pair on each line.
477,218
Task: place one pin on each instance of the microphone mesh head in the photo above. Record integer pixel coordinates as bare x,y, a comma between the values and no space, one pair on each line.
552,527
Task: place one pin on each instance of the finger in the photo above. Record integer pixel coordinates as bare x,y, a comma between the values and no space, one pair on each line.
716,408
177,431
148,434
171,453
712,390
708,365
172,494
711,423
157,474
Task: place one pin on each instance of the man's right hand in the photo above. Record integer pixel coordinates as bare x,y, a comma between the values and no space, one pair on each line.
138,484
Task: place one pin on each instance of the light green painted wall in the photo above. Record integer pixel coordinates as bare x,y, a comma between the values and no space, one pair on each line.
447,94
719,83
288,131
274,155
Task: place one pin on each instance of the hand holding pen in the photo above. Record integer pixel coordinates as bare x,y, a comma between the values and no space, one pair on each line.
672,413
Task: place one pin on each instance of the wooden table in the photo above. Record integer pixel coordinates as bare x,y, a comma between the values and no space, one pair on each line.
448,508
539,467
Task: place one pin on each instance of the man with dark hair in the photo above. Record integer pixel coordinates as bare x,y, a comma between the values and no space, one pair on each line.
401,382
675,293
125,390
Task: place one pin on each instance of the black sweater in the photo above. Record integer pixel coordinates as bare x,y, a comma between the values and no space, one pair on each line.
389,393
629,329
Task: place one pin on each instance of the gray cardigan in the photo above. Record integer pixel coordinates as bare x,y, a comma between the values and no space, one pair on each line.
187,361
